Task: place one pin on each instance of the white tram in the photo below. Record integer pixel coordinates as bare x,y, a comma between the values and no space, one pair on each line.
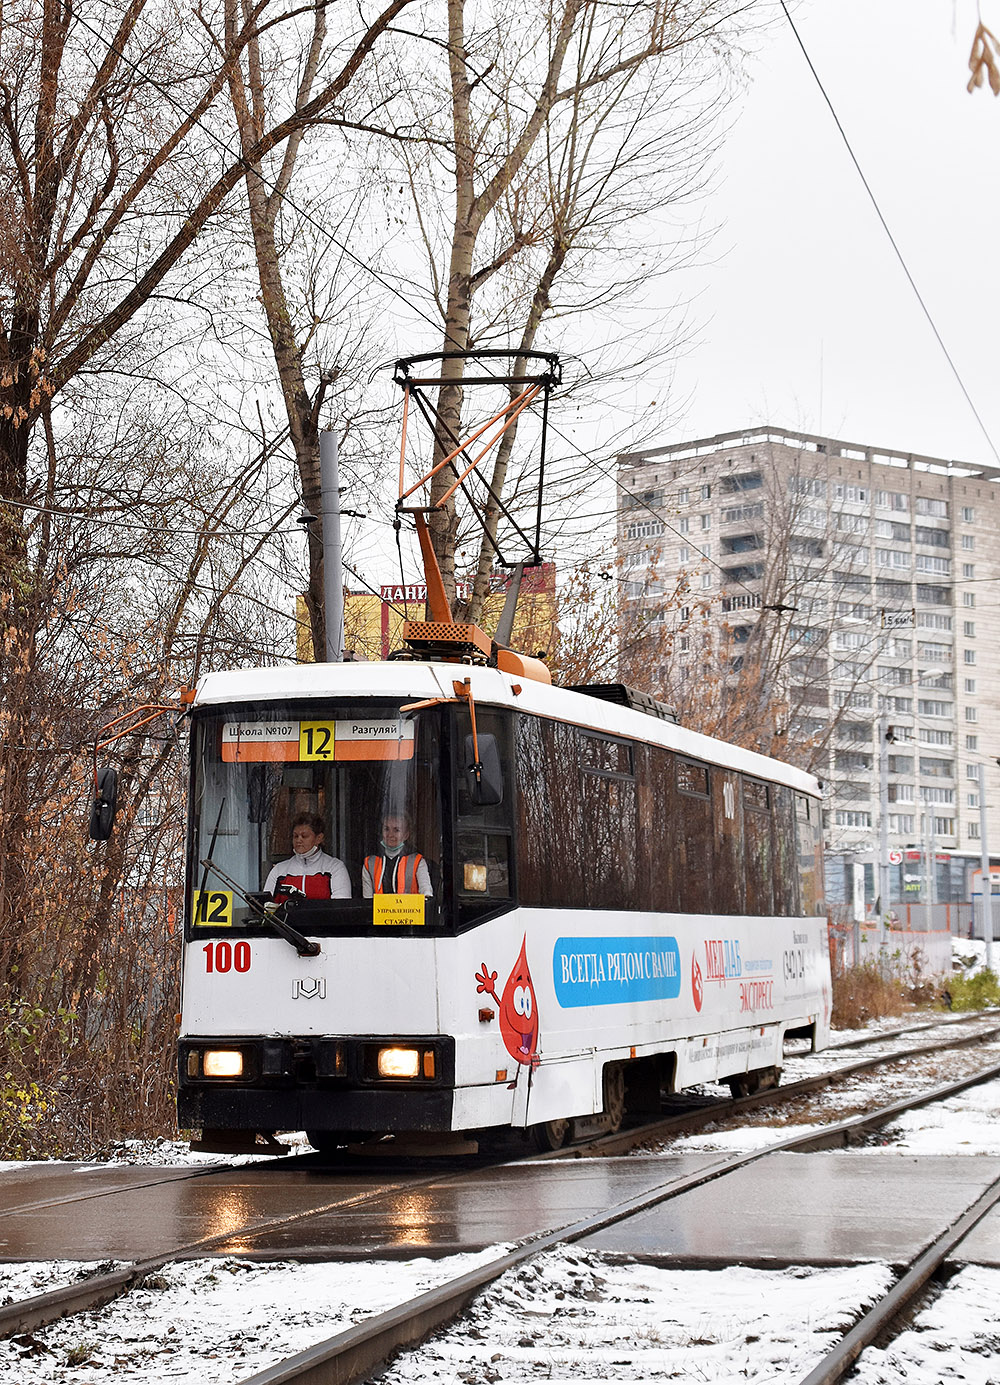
618,907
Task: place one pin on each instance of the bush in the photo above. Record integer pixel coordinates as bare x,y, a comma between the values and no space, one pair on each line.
865,993
981,991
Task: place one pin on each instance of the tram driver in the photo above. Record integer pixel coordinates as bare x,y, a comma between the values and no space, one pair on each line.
394,868
310,869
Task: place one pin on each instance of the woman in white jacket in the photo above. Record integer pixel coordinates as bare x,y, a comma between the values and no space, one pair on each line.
310,869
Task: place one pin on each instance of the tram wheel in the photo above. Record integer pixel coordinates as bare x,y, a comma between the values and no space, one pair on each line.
550,1135
614,1096
759,1080
327,1141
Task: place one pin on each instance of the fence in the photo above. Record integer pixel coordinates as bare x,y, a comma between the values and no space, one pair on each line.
926,951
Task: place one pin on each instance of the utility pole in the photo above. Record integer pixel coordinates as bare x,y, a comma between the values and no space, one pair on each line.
883,824
333,564
986,885
929,853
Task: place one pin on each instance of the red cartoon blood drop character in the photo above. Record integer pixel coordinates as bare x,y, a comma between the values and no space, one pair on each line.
697,986
518,1008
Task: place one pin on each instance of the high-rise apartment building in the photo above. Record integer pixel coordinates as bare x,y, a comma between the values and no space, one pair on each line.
873,578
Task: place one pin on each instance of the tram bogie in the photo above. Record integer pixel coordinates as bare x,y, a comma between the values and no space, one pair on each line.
626,907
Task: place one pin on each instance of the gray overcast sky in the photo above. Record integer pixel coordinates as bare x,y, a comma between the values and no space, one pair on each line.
807,319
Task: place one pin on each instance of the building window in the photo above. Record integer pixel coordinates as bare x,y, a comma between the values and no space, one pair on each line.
968,598
971,714
929,737
928,707
684,526
972,831
647,529
972,743
937,538
970,685
934,596
853,819
892,500
968,514
901,822
926,563
972,800
969,656
969,570
944,827
684,555
683,496
926,506
855,495
969,629
934,653
706,492
888,557
706,521
706,581
968,541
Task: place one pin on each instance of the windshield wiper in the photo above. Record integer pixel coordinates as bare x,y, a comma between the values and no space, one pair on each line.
304,946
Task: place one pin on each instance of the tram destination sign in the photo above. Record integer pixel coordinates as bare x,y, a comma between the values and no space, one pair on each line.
335,741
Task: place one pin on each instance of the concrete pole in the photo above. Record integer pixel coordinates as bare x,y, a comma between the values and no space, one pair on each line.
333,565
883,824
984,862
929,854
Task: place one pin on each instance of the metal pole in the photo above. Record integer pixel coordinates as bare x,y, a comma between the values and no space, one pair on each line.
883,824
333,566
986,887
929,861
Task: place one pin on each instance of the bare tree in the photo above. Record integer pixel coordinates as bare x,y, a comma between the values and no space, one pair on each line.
543,145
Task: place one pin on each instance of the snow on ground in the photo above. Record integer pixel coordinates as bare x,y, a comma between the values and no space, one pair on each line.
956,1338
580,1318
215,1322
569,1316
965,1124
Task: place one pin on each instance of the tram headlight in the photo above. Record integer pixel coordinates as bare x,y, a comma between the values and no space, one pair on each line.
222,1062
398,1062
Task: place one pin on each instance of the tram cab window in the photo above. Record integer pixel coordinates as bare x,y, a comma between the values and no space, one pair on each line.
483,857
256,770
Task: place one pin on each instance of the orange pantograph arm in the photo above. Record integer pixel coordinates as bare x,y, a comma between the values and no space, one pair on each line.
521,399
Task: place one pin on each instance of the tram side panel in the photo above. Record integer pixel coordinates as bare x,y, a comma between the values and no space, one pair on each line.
556,997
533,1005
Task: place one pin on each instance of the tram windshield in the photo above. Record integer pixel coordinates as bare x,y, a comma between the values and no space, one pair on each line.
331,804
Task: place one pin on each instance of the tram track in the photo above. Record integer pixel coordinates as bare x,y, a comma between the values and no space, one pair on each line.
351,1355
357,1350
903,1296
729,1109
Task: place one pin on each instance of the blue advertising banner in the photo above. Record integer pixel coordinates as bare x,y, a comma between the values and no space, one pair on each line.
615,971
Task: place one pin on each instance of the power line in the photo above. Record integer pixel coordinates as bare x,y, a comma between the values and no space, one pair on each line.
892,240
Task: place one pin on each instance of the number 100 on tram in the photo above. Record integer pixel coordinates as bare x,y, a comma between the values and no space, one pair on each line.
433,901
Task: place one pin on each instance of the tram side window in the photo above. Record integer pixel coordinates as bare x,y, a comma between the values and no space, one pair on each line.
757,836
786,871
607,795
657,883
695,837
729,864
550,814
809,846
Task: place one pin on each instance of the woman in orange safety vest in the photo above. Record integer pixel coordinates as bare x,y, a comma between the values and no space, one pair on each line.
394,870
